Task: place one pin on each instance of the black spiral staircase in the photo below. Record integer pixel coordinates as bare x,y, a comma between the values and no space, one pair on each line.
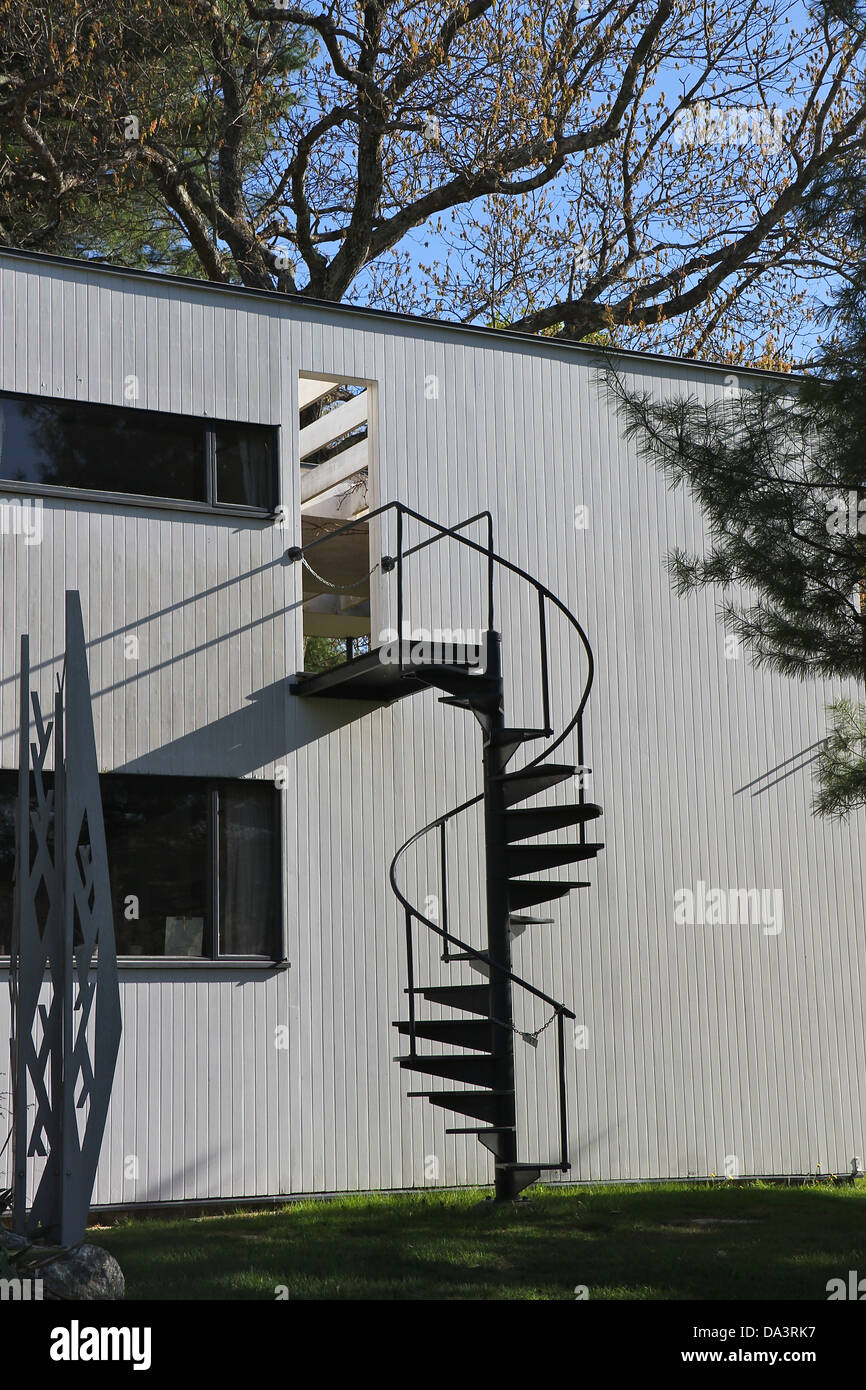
483,1021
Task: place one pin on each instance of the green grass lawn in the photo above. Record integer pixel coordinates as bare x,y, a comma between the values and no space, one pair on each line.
655,1242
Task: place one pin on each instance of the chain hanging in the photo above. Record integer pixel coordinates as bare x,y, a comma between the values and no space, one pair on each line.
531,1038
354,584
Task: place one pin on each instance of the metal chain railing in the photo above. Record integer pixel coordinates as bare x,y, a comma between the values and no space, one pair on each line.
346,584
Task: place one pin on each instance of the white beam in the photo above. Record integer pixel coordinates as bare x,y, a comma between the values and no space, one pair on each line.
329,508
338,603
328,475
335,422
309,391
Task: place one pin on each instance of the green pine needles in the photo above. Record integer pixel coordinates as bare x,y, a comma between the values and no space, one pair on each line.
778,468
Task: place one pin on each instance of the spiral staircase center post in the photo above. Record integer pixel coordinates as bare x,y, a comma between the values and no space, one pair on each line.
498,937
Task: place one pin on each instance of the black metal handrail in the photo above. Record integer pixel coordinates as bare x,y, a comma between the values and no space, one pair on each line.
493,558
443,931
412,913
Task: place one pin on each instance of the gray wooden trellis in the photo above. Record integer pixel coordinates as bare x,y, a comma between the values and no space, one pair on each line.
66,1028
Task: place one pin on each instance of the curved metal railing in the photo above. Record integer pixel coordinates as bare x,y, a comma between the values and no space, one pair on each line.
441,822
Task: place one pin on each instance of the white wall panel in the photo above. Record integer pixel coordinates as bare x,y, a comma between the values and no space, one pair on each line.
703,1041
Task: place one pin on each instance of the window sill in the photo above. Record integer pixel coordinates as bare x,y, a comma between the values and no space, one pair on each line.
257,963
136,500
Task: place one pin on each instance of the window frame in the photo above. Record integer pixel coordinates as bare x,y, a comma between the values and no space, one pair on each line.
211,787
209,506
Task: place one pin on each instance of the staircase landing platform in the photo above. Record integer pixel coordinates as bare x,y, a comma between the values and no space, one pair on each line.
365,678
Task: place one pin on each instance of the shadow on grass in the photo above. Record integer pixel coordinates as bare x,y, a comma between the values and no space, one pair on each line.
671,1242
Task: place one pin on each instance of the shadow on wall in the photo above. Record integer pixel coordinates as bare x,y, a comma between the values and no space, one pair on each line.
271,725
798,762
208,1167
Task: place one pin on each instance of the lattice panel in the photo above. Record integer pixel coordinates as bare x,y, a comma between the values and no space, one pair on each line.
64,1051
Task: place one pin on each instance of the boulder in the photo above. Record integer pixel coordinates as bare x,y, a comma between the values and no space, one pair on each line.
85,1272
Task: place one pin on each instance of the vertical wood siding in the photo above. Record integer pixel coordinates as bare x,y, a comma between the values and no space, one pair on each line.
703,1042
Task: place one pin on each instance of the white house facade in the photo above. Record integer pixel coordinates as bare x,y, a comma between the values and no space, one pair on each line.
164,445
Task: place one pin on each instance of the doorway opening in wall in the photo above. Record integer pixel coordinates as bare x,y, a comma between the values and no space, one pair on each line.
335,439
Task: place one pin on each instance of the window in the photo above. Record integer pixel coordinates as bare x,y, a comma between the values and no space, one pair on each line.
194,865
157,839
106,448
248,869
244,465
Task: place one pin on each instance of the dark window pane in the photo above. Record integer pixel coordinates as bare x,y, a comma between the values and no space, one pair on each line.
156,830
244,465
71,444
8,799
158,839
249,877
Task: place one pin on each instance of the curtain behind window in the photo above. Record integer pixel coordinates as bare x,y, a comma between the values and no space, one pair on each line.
249,874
